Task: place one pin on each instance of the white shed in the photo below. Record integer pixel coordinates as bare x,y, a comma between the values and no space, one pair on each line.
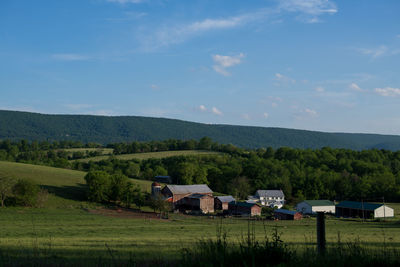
314,206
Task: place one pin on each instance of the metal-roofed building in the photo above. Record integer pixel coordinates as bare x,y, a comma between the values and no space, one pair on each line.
177,192
244,209
363,210
314,206
271,198
282,214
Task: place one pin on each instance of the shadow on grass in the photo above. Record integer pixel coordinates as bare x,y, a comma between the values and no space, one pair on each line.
68,192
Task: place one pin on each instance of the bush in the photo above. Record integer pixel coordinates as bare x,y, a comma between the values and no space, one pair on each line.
26,193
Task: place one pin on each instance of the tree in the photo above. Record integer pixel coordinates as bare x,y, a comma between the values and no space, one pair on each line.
26,192
6,187
118,183
99,185
240,187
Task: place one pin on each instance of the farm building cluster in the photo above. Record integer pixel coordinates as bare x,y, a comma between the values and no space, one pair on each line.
199,199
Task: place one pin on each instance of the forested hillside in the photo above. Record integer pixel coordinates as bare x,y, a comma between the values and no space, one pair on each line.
17,125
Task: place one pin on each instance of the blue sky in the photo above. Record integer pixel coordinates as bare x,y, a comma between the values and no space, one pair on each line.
307,64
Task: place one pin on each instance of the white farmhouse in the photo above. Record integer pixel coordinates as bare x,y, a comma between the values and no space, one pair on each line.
314,206
270,198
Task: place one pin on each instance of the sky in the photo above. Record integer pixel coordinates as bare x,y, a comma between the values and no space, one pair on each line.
319,65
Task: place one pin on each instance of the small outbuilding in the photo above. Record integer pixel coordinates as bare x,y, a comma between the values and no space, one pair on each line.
244,209
222,202
363,210
314,206
163,179
282,214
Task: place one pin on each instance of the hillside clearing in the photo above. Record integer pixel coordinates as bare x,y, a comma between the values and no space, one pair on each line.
154,155
67,187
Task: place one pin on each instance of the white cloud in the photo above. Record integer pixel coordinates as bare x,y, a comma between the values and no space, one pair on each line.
69,57
312,7
285,79
216,111
388,91
223,62
173,34
154,86
320,89
126,1
202,108
309,10
374,52
310,112
265,115
355,87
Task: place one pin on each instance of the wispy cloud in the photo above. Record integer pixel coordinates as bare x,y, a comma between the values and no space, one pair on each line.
154,86
246,116
168,35
265,115
216,111
202,108
283,78
309,10
388,91
70,57
320,89
224,62
374,52
355,87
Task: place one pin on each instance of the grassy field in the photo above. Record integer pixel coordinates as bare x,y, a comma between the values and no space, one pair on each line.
103,151
67,187
77,234
157,155
67,229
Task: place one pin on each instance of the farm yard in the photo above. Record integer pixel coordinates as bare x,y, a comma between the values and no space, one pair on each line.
74,230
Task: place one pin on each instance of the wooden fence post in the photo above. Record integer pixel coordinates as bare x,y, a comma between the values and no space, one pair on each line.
321,242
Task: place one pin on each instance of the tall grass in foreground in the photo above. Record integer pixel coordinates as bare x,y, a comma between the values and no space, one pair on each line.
274,252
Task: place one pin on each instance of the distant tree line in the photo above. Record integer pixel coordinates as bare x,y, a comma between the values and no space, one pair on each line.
302,173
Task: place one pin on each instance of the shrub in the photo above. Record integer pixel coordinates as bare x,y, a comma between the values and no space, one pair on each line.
26,193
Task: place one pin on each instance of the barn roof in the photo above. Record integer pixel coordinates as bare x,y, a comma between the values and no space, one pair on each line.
225,199
316,203
283,211
358,205
270,193
198,196
189,189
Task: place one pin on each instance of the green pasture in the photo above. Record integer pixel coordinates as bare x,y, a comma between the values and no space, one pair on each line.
76,234
155,155
103,151
65,230
66,187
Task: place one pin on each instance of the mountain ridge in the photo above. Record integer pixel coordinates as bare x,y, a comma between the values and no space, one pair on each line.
31,126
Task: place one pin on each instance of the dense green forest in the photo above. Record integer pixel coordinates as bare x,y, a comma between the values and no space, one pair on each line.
16,125
325,173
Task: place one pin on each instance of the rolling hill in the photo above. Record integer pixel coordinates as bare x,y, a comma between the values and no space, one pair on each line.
67,187
16,125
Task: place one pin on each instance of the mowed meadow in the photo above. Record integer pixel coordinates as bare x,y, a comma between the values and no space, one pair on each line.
71,230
